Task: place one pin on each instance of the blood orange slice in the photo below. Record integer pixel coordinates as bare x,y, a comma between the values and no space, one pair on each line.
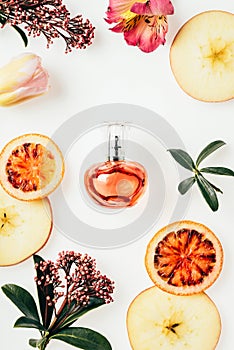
184,258
31,167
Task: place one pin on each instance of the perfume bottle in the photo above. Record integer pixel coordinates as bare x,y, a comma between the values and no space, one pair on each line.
116,183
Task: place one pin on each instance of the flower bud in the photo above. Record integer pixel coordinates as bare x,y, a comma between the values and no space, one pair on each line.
22,78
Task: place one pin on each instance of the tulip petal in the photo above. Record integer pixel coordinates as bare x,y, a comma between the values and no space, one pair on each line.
22,78
153,7
7,98
18,71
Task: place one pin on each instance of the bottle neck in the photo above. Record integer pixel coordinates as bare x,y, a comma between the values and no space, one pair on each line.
116,149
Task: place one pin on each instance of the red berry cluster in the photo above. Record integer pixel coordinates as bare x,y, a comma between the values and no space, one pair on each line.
74,277
50,18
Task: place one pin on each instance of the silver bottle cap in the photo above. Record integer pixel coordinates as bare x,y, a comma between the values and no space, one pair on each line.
116,137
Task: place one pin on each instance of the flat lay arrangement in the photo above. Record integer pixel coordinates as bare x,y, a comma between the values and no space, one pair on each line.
116,154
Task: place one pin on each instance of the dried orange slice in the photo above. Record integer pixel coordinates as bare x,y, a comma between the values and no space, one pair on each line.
31,167
184,258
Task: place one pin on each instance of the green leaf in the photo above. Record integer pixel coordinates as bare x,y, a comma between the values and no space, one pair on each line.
94,302
36,343
2,19
46,311
208,192
185,185
213,146
22,299
26,322
218,171
183,158
214,187
22,34
83,338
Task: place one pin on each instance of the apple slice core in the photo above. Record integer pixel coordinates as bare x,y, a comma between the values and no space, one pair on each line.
157,320
24,228
202,56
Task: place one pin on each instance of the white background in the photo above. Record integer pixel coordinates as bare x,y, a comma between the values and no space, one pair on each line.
110,71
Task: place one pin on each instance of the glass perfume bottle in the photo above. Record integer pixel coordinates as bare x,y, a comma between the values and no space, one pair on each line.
116,183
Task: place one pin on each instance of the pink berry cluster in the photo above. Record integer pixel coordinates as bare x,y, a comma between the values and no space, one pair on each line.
75,278
50,18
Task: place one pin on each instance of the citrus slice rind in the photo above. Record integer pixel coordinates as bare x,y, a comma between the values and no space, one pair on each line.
184,258
31,167
25,228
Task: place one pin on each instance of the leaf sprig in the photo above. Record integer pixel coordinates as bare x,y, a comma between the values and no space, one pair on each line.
207,188
86,289
49,18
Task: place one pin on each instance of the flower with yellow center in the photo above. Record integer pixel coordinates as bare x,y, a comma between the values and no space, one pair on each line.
143,23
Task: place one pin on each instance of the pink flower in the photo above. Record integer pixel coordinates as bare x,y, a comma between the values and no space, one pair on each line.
77,275
143,23
22,78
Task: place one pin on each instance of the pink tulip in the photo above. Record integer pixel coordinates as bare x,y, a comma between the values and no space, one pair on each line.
22,78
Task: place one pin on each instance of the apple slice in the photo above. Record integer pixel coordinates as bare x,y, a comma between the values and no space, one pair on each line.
158,320
202,56
24,228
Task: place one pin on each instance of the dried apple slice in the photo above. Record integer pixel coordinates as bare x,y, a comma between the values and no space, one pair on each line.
31,167
24,228
184,258
202,56
158,320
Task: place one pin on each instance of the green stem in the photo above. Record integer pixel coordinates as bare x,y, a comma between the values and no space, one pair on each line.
44,344
58,314
42,347
56,325
196,171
